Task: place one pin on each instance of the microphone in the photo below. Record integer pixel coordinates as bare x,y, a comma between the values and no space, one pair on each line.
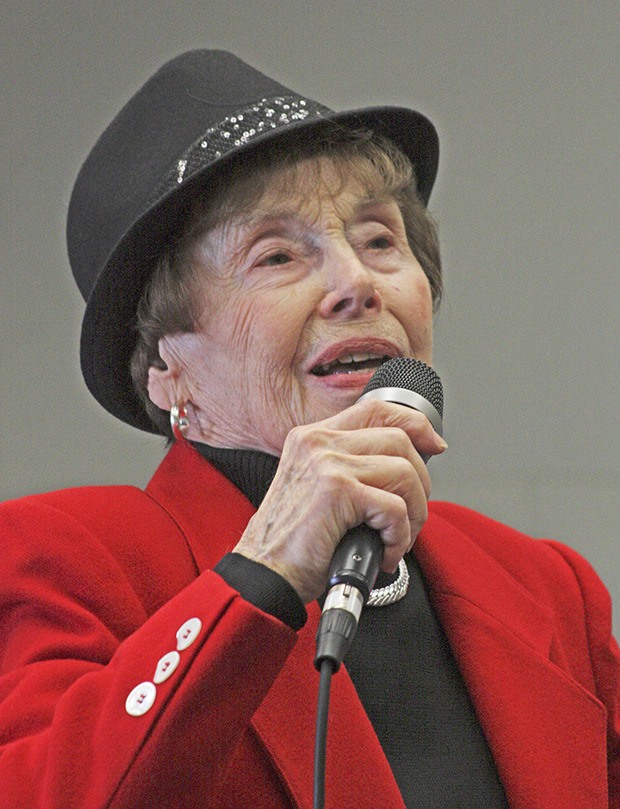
355,564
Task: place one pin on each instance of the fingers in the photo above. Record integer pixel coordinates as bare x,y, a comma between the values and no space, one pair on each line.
394,475
379,450
371,413
362,465
378,445
397,512
387,491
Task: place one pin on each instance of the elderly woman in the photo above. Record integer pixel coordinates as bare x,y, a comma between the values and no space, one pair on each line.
249,258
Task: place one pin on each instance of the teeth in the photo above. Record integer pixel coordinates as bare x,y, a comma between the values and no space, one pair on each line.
347,359
361,357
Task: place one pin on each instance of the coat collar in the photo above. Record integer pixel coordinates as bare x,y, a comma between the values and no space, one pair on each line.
541,725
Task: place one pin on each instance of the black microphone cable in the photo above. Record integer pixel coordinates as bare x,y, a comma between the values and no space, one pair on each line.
356,561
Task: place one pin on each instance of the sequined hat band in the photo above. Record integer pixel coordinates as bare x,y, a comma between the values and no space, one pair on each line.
225,137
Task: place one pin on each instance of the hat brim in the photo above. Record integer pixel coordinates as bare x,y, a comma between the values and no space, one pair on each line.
108,329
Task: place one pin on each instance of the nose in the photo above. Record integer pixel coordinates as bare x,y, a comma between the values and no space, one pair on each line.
351,290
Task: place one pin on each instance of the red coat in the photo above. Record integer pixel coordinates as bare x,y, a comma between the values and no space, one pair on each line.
95,582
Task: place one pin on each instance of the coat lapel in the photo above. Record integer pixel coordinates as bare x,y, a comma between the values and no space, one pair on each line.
211,512
541,725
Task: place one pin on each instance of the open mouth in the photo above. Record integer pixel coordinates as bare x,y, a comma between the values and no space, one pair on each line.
351,364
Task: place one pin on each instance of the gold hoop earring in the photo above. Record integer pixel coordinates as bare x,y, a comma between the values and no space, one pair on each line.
179,421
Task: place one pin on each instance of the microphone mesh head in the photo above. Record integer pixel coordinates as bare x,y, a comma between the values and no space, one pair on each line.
410,374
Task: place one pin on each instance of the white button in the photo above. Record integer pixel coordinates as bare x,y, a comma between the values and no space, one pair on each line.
167,664
141,699
188,633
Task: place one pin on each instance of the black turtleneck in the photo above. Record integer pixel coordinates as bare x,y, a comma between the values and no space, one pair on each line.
400,663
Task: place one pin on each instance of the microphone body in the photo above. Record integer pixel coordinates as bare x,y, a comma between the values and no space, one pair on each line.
357,559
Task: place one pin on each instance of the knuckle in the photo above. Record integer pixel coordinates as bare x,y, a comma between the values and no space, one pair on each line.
426,485
420,515
401,510
399,436
305,438
295,437
375,410
329,469
416,420
390,414
404,468
299,435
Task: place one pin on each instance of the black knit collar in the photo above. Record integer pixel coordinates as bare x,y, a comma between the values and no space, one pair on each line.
250,470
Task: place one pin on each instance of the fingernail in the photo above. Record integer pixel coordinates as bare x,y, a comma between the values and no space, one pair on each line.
441,443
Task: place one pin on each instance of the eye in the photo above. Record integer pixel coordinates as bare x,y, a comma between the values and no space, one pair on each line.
276,259
380,243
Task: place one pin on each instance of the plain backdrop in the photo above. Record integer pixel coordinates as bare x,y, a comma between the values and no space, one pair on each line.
525,98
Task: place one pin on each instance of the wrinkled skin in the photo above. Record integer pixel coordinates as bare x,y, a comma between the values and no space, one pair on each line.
313,274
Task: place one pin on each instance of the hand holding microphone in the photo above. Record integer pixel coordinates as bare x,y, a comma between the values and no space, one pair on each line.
357,558
363,465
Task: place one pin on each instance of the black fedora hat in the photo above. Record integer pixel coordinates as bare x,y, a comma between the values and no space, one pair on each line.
200,110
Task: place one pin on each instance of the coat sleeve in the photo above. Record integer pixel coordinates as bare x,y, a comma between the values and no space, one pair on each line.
77,637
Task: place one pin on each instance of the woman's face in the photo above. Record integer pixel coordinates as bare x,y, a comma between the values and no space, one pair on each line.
302,299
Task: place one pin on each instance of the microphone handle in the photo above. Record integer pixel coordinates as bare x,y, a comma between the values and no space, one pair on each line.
353,572
356,560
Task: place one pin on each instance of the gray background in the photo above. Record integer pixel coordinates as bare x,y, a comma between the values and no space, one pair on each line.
525,97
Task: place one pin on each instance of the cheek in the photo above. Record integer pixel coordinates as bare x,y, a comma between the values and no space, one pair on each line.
256,333
411,290
422,301
411,301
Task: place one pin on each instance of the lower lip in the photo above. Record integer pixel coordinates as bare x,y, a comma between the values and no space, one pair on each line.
356,379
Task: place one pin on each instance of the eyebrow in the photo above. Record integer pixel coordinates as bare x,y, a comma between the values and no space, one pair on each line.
253,221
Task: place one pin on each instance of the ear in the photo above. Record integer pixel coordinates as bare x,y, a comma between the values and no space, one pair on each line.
164,384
